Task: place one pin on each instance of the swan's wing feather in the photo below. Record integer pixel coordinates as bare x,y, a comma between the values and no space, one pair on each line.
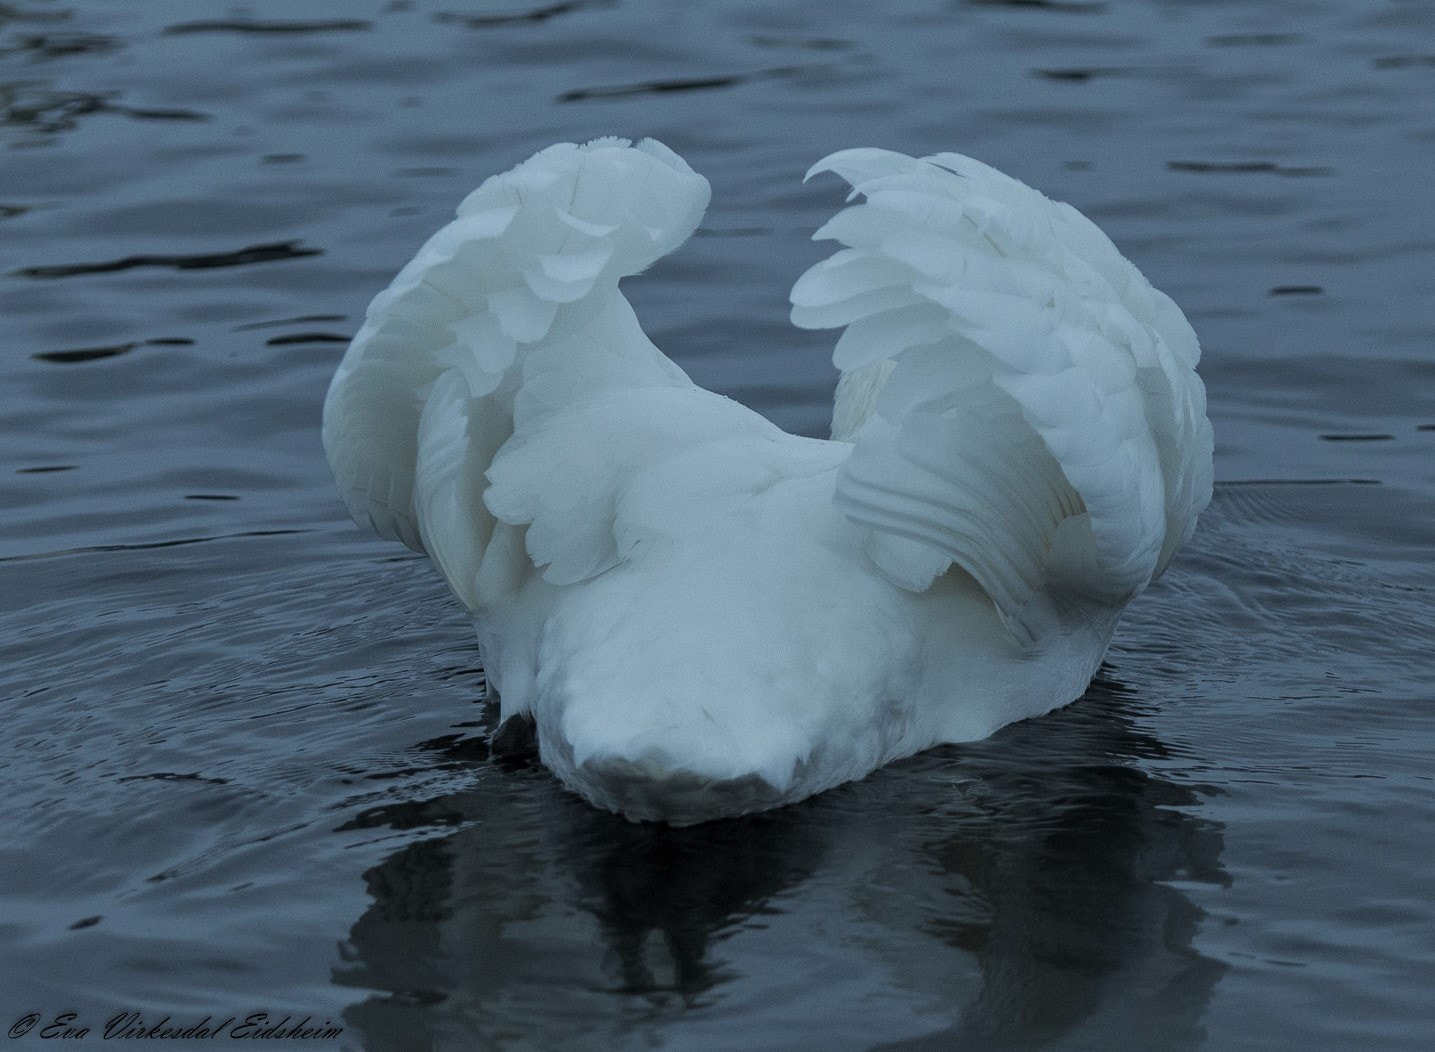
1022,403
456,439
500,317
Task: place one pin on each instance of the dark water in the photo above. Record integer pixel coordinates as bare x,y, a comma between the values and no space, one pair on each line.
245,760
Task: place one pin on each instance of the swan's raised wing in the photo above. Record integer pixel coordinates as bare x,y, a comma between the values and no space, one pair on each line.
1021,401
507,314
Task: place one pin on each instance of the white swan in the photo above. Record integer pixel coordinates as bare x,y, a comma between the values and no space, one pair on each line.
704,614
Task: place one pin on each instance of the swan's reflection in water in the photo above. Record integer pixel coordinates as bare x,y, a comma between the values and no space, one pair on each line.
1018,893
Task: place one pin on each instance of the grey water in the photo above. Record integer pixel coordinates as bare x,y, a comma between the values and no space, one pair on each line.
245,750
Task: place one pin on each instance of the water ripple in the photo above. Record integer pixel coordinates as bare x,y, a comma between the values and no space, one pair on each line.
267,28
268,253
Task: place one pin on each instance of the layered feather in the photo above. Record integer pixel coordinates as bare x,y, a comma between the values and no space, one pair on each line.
426,393
1022,402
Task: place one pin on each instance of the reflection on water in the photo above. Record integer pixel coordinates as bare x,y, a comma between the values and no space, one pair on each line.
1033,894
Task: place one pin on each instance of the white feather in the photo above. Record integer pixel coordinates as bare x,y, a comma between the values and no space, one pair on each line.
706,615
1045,307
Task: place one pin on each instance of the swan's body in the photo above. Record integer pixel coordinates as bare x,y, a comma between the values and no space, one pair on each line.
705,615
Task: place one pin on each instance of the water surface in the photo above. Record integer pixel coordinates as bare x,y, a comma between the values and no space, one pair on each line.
247,763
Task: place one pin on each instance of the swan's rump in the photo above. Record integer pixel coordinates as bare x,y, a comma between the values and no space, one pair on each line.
729,653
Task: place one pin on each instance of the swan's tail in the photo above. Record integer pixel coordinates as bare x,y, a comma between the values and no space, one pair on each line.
1021,401
429,387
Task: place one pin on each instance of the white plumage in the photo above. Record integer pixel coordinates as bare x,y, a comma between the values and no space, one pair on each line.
705,615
